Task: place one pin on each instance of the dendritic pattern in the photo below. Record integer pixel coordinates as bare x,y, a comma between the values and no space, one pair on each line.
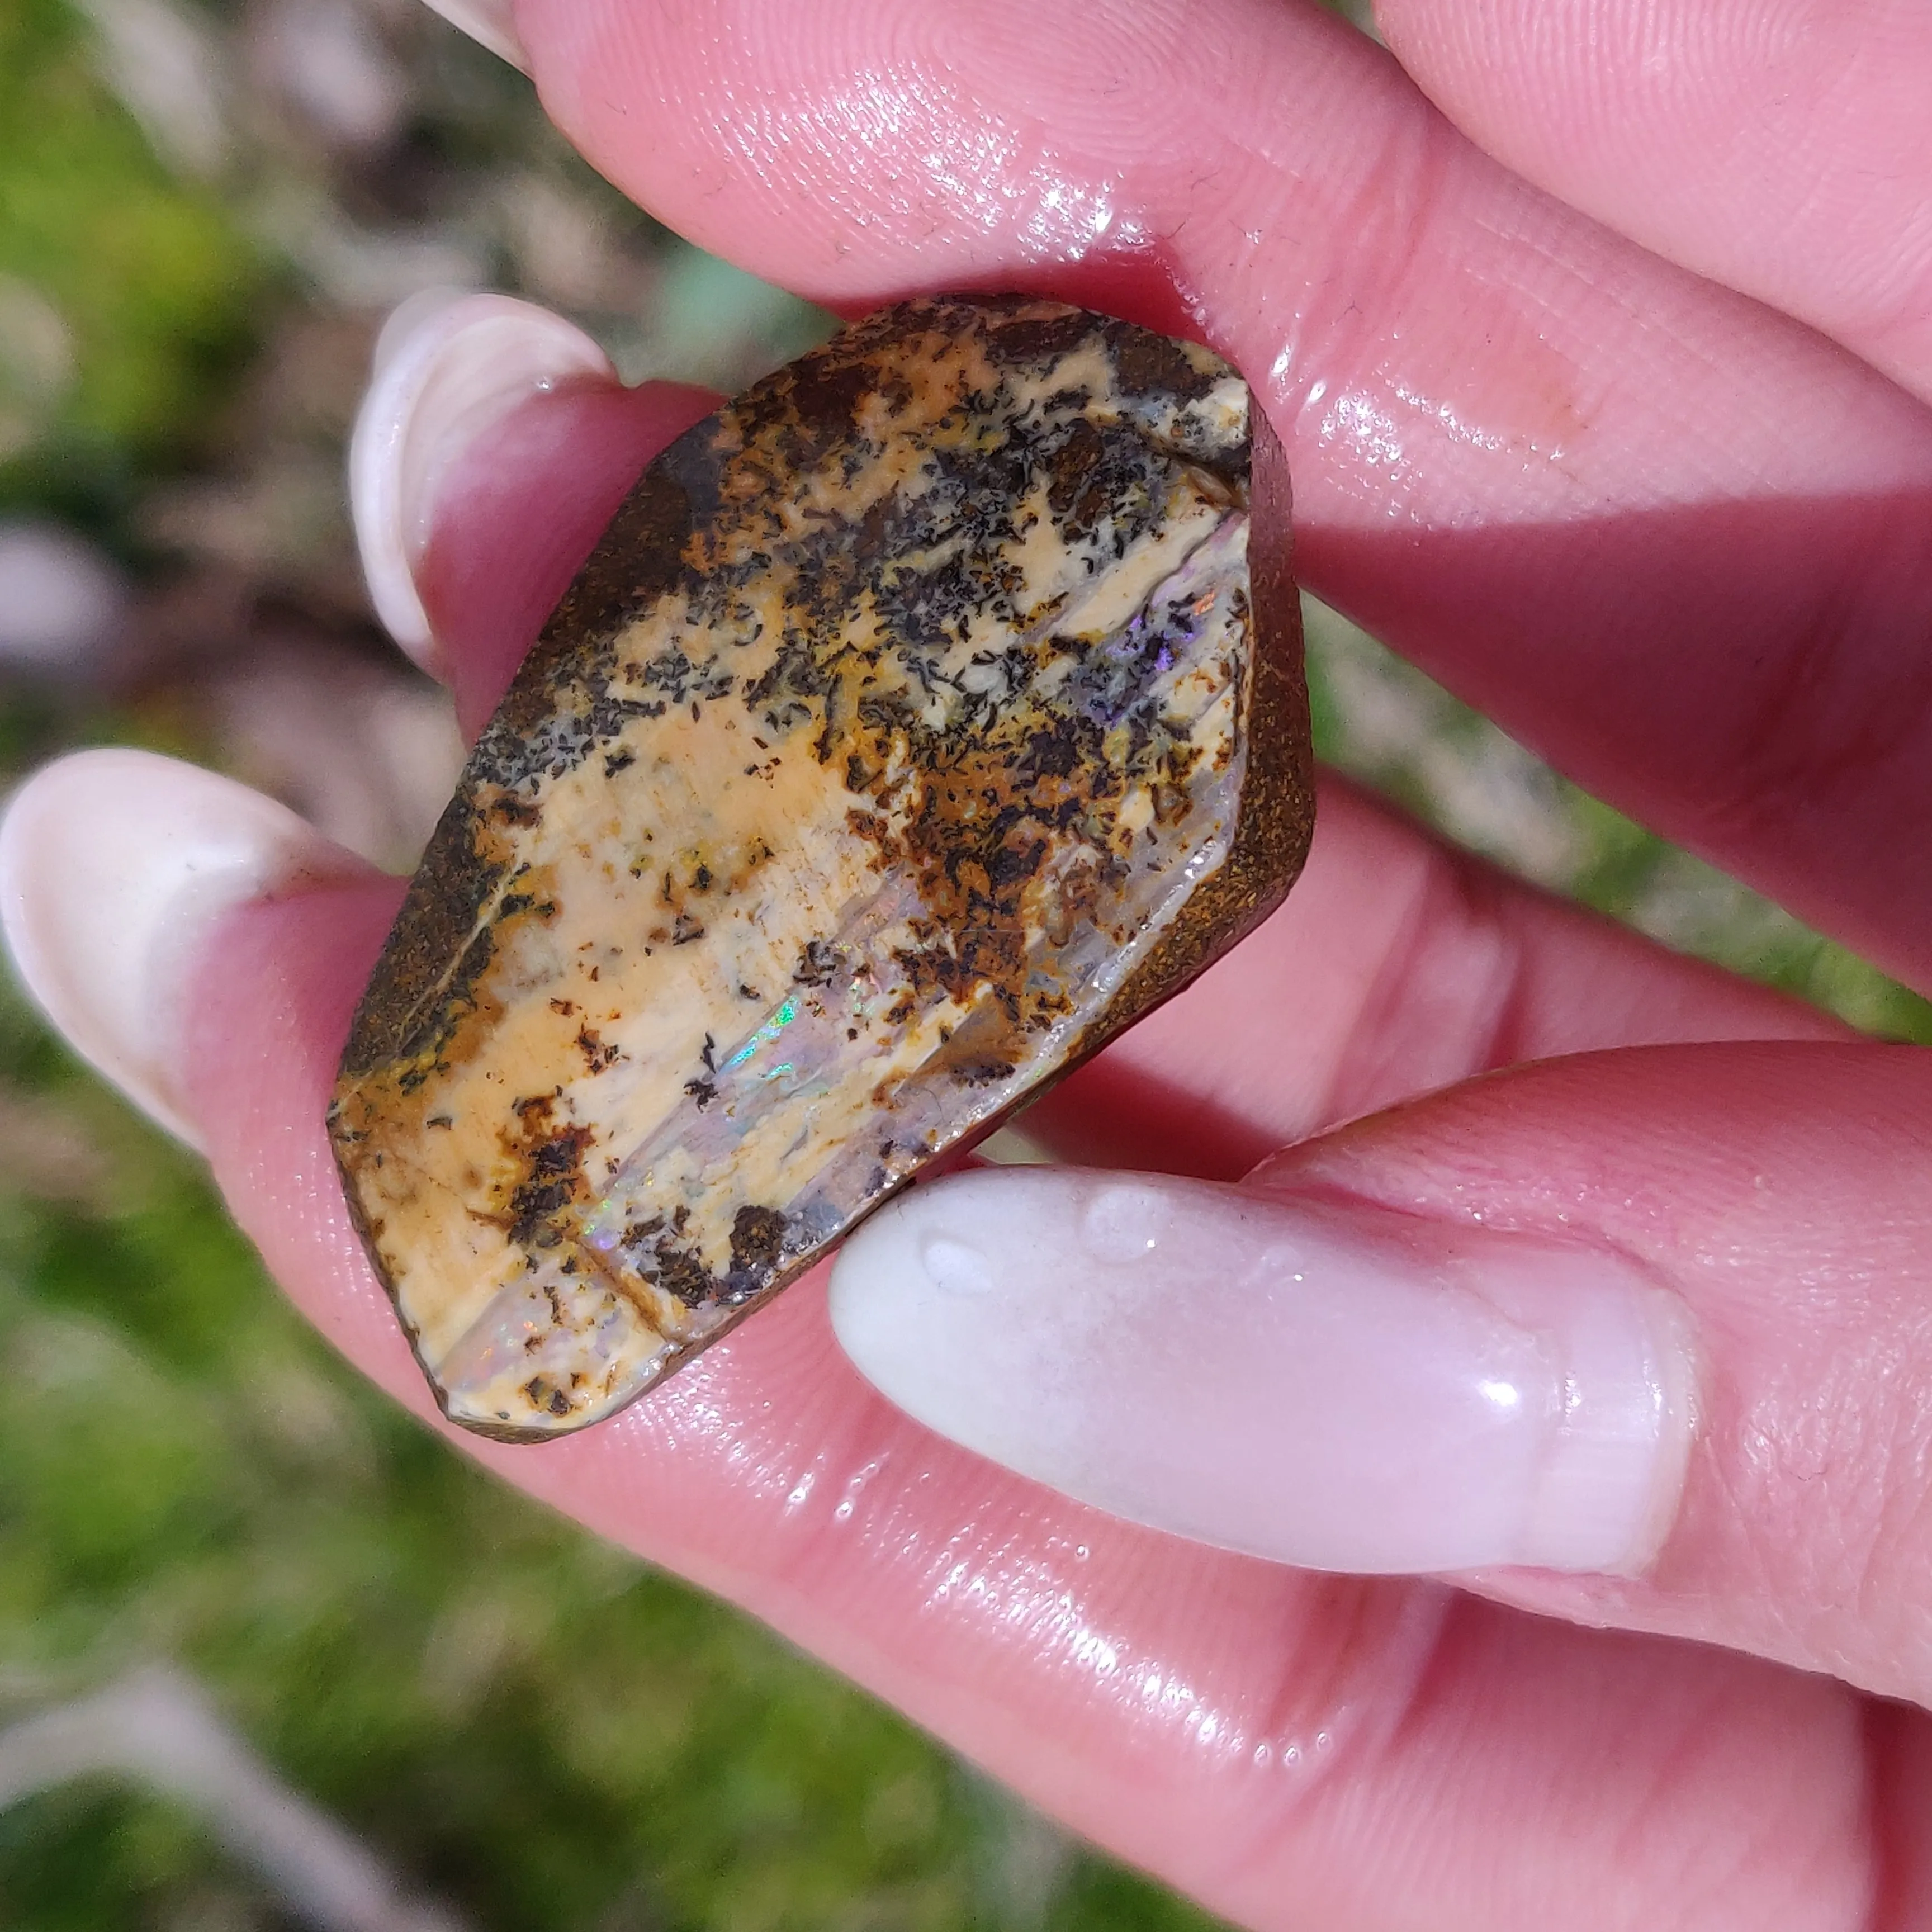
918,722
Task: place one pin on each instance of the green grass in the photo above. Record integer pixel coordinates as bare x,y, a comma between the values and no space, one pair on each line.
151,282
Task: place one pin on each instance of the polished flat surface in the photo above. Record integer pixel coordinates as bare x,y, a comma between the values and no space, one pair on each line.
896,747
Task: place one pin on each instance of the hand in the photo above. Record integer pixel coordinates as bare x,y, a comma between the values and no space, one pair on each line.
1675,537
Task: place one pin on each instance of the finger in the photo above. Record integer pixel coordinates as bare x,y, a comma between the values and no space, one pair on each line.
1657,1314
1674,542
511,421
1244,1858
1278,1744
103,922
1785,151
1778,1190
1788,1763
448,367
1398,965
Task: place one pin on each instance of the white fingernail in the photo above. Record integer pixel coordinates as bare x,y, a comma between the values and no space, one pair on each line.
448,367
492,23
114,865
1324,1383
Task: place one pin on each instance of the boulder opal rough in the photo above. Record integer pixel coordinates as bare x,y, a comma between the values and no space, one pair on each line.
926,716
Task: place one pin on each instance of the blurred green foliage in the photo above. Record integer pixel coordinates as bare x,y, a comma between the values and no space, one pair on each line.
125,295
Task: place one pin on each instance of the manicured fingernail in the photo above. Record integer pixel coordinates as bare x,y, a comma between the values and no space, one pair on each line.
493,22
114,867
448,367
1322,1382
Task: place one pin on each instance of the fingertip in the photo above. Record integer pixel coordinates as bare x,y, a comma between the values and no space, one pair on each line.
1317,1381
448,367
115,866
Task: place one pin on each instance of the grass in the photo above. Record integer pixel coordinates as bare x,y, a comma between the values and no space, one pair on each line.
125,294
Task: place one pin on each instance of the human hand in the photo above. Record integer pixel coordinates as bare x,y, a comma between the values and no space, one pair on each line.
1671,537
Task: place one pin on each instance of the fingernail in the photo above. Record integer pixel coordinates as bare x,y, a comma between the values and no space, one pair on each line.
448,367
1324,1383
114,867
493,22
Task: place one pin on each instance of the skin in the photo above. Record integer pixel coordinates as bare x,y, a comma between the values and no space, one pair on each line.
1674,533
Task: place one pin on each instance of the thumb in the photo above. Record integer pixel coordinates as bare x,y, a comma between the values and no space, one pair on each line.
1653,1317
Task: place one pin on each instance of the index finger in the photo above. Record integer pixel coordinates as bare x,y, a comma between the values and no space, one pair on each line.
1673,540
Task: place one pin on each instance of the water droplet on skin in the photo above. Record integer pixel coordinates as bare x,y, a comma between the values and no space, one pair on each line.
1123,1222
953,1267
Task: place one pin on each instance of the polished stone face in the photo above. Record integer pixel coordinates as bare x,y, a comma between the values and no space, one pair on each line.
918,722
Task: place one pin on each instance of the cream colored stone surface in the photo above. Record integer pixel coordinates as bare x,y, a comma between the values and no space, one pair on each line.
810,865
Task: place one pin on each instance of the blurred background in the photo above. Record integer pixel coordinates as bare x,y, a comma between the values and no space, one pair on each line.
269,1656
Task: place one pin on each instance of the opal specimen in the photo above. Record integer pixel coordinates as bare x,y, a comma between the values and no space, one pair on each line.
924,716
